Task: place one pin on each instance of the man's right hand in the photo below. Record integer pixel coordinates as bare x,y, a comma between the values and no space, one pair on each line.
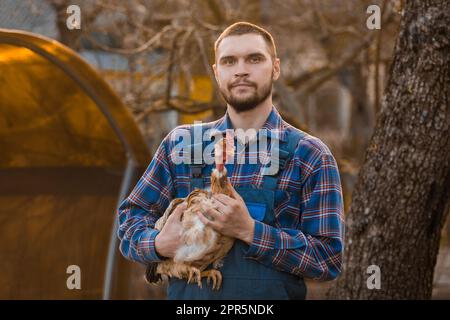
169,238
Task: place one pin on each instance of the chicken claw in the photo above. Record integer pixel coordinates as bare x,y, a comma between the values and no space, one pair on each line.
215,276
195,273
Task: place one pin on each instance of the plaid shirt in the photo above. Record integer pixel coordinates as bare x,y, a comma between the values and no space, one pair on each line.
307,239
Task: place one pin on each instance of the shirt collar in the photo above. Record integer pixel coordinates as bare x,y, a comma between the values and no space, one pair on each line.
272,127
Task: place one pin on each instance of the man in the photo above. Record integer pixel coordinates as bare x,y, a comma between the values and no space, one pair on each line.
288,224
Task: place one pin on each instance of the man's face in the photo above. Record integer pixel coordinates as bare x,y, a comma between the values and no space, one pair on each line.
245,71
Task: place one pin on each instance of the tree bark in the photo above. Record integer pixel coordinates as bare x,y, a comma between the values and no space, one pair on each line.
401,199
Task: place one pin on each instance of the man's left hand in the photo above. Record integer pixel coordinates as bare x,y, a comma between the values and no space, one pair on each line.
230,217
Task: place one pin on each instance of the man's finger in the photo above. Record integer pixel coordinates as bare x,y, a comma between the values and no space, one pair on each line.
236,195
213,213
206,221
180,208
220,206
222,198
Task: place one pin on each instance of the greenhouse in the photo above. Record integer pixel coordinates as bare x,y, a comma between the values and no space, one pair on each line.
70,151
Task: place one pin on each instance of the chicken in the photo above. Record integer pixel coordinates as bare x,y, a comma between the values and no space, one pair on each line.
202,245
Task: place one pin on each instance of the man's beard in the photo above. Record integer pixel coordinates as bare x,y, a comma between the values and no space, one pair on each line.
249,102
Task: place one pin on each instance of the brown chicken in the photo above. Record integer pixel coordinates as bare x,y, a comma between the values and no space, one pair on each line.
202,245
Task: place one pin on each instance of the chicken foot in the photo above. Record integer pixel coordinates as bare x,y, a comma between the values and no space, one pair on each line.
212,275
192,274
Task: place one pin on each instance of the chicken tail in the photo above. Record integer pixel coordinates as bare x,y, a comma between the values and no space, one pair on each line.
151,276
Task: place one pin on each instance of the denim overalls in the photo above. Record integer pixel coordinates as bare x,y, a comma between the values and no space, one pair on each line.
244,278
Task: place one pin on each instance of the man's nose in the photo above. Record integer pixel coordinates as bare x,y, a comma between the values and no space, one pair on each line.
241,70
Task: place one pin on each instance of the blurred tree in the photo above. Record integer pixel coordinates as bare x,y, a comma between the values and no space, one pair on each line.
168,49
401,200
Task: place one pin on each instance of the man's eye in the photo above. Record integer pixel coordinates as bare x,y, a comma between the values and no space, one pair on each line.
228,61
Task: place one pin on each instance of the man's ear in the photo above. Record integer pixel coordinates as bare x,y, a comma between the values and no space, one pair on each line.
215,72
276,69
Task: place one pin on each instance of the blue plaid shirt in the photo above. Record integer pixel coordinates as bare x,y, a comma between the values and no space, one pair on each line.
307,239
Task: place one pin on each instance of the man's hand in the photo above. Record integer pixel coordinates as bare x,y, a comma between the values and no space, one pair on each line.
169,238
230,217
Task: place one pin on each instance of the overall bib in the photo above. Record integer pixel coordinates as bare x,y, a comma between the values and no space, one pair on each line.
245,278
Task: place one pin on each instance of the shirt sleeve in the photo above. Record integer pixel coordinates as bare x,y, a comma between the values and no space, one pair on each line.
315,251
139,212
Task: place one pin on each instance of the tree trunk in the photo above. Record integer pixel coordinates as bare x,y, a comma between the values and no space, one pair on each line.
401,199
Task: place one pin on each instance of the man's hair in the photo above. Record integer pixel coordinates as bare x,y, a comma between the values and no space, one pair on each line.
240,28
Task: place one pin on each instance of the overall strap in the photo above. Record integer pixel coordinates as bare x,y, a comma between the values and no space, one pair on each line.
197,164
285,151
